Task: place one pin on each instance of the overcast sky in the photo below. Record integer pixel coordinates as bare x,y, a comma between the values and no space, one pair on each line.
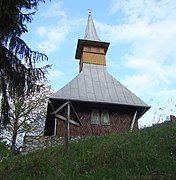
142,52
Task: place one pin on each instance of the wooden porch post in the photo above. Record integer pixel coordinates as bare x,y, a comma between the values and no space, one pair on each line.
133,121
67,129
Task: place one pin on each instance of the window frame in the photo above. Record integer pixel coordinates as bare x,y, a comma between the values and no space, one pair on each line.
100,117
93,121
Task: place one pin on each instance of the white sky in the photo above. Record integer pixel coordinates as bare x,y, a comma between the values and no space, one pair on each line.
142,52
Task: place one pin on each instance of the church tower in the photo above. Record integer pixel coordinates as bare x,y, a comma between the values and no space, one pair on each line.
91,49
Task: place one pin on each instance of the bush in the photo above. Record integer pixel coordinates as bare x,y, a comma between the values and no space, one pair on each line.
4,151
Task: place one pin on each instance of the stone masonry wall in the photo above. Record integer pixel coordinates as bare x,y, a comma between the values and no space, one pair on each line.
33,143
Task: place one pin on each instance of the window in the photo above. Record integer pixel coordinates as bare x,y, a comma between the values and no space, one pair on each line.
100,117
105,117
95,116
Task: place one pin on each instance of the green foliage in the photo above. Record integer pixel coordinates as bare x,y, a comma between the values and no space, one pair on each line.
4,151
18,72
144,154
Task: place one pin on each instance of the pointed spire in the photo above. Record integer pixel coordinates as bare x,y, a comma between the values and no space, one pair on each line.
90,33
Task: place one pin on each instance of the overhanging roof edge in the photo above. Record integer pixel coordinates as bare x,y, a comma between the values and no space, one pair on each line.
82,42
100,102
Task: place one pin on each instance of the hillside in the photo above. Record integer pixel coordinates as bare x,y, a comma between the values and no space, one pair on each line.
144,154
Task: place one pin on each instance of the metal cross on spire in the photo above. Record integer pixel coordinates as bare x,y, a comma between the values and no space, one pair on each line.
90,11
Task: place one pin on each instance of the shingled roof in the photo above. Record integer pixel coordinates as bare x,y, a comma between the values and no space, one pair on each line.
95,84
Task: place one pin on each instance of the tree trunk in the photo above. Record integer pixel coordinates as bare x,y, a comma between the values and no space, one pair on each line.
14,137
13,147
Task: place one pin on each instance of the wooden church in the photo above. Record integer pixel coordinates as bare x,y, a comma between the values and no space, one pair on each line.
94,102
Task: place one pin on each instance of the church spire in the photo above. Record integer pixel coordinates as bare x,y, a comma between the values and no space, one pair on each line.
90,33
91,50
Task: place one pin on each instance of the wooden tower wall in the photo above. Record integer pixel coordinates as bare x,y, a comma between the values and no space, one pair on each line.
92,55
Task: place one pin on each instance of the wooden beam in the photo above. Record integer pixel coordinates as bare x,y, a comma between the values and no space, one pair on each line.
61,107
75,114
133,121
55,126
67,128
74,122
58,116
67,106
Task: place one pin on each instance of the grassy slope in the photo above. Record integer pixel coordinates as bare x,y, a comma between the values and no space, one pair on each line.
145,154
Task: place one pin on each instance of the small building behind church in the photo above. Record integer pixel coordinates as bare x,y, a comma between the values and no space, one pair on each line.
102,104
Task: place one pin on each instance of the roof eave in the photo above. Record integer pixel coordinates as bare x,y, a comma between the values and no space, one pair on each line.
83,42
145,107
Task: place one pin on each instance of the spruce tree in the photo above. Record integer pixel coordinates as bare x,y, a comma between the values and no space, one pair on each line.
18,72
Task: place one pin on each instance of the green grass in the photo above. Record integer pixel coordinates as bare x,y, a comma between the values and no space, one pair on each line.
144,154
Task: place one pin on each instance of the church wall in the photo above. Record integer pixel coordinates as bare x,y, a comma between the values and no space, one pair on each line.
118,123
